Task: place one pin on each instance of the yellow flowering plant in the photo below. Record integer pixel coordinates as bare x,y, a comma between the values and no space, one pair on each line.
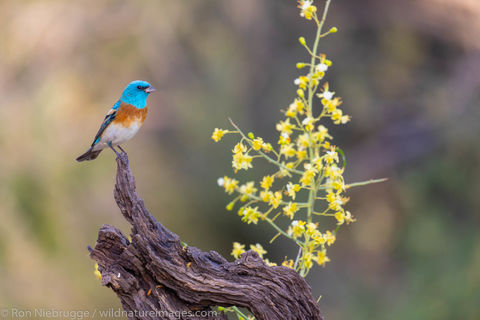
307,183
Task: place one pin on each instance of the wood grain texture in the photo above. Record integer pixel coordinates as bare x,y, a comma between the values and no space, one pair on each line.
155,273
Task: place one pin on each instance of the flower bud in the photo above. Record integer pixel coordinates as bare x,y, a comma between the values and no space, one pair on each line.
251,135
302,41
300,65
229,206
333,30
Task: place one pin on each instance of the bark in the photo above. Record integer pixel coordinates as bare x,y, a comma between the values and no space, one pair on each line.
156,277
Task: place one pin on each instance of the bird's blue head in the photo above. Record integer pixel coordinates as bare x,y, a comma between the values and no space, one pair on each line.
136,93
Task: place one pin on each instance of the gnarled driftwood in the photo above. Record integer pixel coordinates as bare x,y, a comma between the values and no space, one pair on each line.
156,277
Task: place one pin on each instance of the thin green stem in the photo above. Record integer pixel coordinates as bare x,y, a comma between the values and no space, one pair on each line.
311,91
282,232
364,183
295,265
324,16
314,54
239,313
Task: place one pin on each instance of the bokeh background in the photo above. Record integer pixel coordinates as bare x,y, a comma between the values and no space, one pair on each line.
409,74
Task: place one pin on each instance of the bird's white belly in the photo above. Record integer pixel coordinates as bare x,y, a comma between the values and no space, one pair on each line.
117,134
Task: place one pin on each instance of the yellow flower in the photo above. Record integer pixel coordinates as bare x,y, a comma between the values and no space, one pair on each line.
331,197
329,237
340,216
296,229
332,104
311,229
299,105
267,182
258,249
317,163
290,209
321,68
285,127
339,118
335,202
318,237
301,93
345,119
238,249
349,218
325,93
308,123
218,134
308,176
333,172
276,199
322,258
288,263
323,59
291,112
247,190
307,259
331,156
302,82
97,273
257,143
267,147
304,141
307,10
292,189
284,139
270,264
321,134
266,195
239,148
249,214
296,106
301,154
283,172
288,150
343,217
338,185
241,161
229,184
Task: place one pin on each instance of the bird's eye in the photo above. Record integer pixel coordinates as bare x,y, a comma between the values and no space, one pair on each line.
139,87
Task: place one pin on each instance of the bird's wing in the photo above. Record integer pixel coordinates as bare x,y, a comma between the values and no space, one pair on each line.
108,119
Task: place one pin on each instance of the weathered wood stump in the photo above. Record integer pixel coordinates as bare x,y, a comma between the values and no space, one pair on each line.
156,277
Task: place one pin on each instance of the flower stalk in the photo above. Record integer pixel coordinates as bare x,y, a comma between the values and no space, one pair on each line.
305,187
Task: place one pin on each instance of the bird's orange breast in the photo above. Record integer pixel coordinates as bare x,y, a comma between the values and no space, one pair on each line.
128,114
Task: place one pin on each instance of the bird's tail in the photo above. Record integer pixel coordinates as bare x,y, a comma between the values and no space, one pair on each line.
89,155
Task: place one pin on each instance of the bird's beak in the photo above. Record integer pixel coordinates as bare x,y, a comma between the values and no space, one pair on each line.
150,89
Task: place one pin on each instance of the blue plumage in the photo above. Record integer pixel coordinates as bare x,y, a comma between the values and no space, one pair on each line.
136,93
134,96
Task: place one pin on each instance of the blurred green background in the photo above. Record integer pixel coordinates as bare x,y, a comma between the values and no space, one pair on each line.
409,74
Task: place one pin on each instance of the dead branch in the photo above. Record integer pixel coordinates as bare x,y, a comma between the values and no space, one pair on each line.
156,277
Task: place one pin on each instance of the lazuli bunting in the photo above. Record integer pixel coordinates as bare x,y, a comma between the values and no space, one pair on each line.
122,121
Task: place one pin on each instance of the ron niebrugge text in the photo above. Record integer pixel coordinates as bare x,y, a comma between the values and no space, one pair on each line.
46,313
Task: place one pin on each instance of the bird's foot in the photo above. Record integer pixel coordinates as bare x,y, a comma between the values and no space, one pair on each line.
121,149
111,147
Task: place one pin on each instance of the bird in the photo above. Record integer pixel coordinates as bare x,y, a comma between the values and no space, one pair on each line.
122,121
